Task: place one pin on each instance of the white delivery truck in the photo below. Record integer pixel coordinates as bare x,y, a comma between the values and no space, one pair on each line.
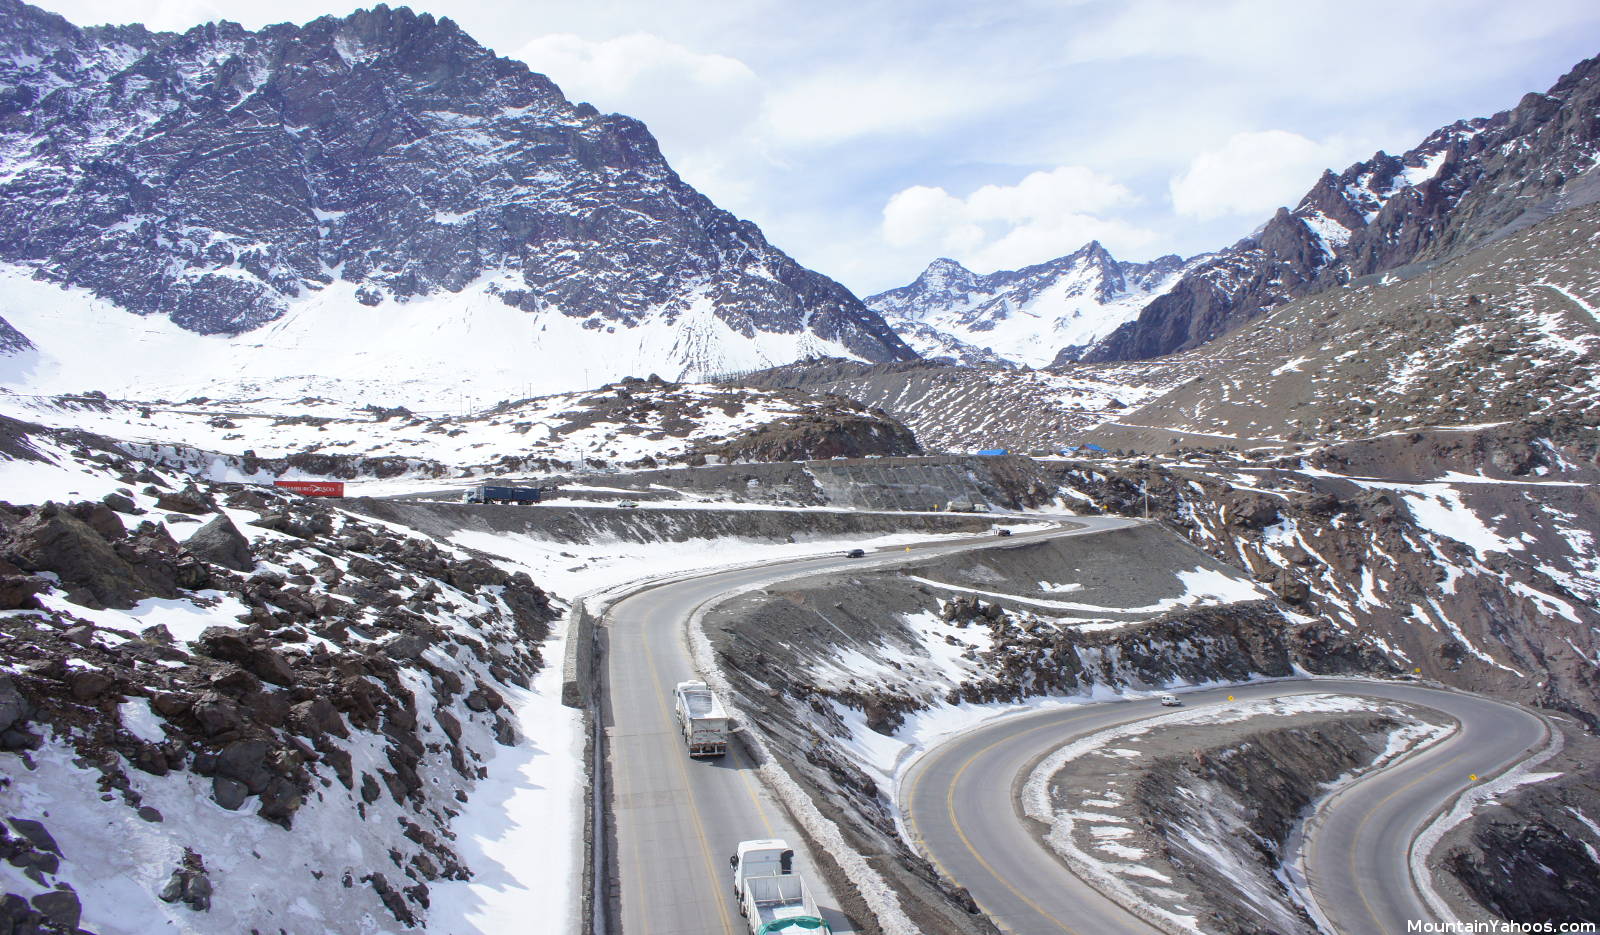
773,898
703,719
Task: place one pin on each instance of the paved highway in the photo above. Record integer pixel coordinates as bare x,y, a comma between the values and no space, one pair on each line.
677,820
960,807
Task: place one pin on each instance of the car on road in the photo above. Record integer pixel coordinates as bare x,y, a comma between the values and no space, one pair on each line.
855,553
1170,701
628,504
1002,532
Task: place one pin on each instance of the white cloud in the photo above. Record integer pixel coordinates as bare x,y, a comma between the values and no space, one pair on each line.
1251,173
923,215
1047,238
1045,215
675,89
833,106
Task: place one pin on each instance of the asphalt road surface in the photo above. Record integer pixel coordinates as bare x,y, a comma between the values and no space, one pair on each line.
960,806
678,820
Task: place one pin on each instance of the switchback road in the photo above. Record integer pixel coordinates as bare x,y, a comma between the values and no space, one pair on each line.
960,804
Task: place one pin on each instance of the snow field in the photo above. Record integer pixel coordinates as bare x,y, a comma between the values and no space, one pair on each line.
329,344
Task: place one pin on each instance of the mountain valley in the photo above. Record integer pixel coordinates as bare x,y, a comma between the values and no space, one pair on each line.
1183,560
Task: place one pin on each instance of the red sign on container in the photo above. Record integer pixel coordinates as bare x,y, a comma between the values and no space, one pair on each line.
313,488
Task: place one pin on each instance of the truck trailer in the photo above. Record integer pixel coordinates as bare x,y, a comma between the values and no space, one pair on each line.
773,899
702,718
484,493
312,488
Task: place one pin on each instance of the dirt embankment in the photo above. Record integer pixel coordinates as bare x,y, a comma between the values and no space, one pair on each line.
559,523
1533,855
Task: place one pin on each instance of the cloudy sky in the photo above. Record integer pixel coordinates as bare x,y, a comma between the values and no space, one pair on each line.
868,137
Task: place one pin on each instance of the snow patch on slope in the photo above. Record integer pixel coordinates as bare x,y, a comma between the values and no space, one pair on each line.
432,352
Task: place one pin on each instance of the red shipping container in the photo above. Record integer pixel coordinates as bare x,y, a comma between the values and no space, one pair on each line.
313,488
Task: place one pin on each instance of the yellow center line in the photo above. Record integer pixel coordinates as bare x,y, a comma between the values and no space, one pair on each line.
950,812
694,808
1372,913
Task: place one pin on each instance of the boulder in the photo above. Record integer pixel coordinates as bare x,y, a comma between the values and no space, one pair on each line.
93,571
230,644
220,542
121,504
61,907
89,685
17,591
315,717
245,761
101,518
14,708
216,714
188,500
229,793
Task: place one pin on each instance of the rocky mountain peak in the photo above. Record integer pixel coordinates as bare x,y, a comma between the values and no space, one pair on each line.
946,275
1028,316
1466,184
224,178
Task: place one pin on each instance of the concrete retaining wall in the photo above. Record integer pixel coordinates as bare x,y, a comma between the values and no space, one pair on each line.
577,664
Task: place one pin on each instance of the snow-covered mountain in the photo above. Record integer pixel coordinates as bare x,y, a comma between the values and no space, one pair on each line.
376,186
1029,316
1469,183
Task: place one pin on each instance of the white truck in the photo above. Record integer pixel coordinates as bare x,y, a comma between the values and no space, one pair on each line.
703,719
773,898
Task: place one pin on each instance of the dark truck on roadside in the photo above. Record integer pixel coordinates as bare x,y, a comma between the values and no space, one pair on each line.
485,493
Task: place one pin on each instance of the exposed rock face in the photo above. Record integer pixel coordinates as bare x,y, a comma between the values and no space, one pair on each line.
12,340
1466,183
1048,311
216,176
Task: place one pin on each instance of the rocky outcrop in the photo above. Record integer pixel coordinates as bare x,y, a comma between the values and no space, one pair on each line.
12,341
851,431
1237,285
87,548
